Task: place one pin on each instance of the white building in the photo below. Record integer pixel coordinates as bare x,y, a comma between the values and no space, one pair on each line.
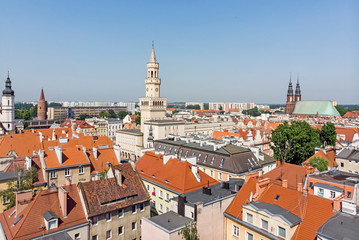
7,117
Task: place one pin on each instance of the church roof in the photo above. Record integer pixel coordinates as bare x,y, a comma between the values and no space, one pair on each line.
315,107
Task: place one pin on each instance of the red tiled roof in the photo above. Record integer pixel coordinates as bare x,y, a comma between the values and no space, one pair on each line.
97,193
329,155
175,174
352,114
31,223
70,156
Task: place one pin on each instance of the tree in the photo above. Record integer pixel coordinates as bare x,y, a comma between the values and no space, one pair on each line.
122,114
252,112
175,111
111,114
138,120
103,113
189,232
294,143
198,107
319,163
328,135
83,116
206,106
25,181
341,110
33,111
220,108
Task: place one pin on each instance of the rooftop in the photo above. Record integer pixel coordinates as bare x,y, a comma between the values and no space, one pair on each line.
340,226
315,107
169,222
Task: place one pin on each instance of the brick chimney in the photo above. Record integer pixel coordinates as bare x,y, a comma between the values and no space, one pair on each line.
285,183
250,175
260,186
337,203
23,199
62,194
300,187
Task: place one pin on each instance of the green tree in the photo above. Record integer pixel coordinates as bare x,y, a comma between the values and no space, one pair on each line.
175,111
138,120
33,111
25,181
26,115
206,106
220,108
319,163
341,110
193,107
189,232
328,135
54,104
103,113
122,114
294,143
252,112
112,114
83,116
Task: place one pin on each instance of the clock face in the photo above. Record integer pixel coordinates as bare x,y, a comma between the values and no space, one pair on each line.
156,89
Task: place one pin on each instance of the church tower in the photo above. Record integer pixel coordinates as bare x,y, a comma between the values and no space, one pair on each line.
153,107
8,106
289,106
298,94
42,107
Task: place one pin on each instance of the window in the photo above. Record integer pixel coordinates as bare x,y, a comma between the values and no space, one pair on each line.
67,172
193,154
212,161
77,236
167,209
148,187
161,207
220,176
249,218
142,207
94,221
349,194
53,174
120,213
167,196
186,154
108,217
161,194
120,230
342,164
222,161
211,173
5,200
235,230
134,226
311,185
52,224
281,232
264,224
249,236
94,237
154,204
134,209
108,234
81,170
153,191
199,156
321,192
332,194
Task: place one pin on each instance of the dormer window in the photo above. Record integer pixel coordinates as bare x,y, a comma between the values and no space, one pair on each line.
222,161
212,161
51,220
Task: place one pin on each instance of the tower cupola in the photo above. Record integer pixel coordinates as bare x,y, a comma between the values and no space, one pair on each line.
8,90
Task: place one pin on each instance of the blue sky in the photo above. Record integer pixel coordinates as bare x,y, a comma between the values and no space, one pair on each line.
239,51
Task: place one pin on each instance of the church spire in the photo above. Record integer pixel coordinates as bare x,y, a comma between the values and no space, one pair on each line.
298,94
42,96
153,55
8,90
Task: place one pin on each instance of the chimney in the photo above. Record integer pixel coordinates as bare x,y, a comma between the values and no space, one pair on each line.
53,135
260,186
23,199
58,150
285,183
62,194
195,173
118,177
192,160
337,203
300,187
207,191
250,175
181,205
278,163
117,150
28,162
94,151
40,134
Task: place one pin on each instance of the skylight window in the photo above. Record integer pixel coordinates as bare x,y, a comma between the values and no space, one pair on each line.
249,160
205,158
222,161
17,220
276,197
212,161
12,213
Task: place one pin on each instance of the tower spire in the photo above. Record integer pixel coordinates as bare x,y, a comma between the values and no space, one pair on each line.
153,55
42,96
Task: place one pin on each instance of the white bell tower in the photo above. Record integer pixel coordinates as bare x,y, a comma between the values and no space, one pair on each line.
8,106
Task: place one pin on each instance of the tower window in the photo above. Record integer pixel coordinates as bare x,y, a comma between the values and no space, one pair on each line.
151,73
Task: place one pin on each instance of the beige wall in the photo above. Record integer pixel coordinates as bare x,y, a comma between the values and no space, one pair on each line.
151,232
130,143
347,166
207,128
126,221
74,175
229,224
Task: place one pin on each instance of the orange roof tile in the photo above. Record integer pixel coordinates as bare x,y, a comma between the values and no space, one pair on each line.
175,174
329,155
70,156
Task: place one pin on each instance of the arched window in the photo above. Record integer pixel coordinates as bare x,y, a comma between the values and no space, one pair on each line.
151,73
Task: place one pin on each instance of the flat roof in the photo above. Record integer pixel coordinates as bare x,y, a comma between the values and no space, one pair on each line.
340,226
169,222
336,176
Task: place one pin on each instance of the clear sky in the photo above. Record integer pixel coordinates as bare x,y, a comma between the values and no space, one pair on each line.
239,51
